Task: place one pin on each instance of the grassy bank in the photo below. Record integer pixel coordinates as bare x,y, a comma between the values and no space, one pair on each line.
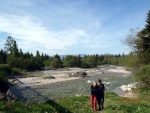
113,104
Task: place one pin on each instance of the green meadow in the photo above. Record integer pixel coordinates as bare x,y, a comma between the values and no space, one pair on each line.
81,104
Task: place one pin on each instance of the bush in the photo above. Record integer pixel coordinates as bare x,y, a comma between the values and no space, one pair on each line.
16,71
143,76
5,71
55,63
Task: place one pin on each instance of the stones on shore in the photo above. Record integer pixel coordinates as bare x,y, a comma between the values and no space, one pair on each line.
2,96
49,77
128,87
7,96
78,74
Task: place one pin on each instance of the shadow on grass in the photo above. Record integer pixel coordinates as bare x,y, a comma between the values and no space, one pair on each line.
56,107
33,97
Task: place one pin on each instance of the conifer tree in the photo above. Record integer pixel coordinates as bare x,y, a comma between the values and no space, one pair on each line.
9,44
14,49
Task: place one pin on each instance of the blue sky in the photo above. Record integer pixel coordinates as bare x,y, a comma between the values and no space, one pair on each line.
71,26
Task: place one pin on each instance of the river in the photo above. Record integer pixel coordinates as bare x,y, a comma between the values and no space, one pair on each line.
111,80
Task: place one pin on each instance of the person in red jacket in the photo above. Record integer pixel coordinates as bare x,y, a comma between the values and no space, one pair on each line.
93,96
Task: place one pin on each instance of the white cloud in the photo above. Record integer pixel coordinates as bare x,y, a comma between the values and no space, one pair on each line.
66,27
31,34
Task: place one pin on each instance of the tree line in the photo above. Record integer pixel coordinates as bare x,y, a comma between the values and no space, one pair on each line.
11,56
16,58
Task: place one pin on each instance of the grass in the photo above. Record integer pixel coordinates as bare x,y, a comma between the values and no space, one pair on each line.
113,104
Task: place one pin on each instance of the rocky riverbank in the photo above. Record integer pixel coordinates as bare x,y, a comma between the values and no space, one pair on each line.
59,75
59,84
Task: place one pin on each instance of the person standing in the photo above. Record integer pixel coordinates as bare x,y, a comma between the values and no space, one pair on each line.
100,94
93,96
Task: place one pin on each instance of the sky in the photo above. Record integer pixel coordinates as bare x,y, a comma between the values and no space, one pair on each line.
71,26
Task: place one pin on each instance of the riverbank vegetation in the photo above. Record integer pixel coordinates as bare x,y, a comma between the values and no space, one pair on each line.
139,41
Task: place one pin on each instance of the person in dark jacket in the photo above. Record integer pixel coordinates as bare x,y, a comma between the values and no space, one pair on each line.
100,94
93,96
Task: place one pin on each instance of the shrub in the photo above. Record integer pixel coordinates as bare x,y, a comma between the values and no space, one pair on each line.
55,63
5,71
16,71
143,76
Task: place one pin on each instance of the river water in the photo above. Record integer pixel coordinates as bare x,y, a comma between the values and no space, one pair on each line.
111,80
